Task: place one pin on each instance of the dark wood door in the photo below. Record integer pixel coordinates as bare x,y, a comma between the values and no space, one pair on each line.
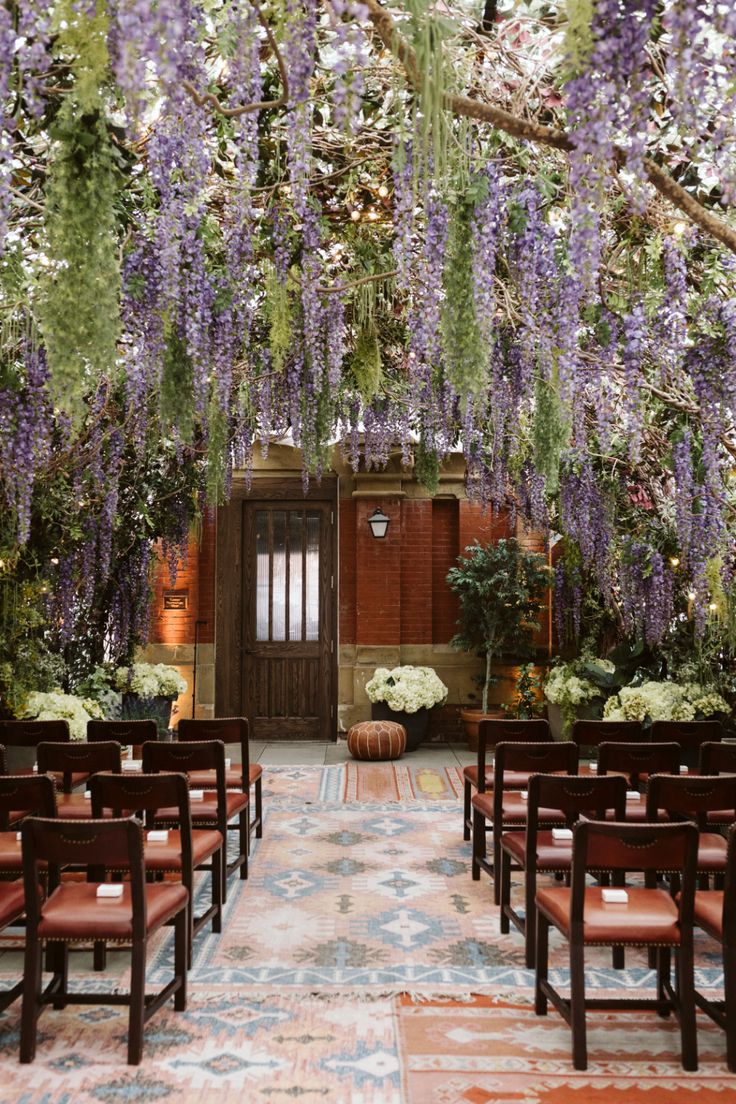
278,586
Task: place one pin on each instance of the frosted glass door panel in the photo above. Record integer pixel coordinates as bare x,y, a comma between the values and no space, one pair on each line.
262,577
287,575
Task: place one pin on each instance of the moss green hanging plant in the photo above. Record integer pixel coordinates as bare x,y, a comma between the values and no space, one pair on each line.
551,432
465,353
366,364
80,289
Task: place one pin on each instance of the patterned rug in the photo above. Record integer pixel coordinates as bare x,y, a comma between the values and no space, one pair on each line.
360,964
363,782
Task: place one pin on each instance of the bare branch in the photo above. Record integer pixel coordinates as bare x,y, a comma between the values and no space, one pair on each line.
336,289
525,130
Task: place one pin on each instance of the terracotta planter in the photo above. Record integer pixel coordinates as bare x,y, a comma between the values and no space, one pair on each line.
471,718
415,724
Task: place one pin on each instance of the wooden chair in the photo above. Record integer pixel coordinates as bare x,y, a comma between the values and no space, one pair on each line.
690,735
717,758
75,763
185,850
535,849
233,731
3,760
12,907
636,762
21,795
21,738
491,733
650,918
126,733
715,913
218,807
696,797
504,808
73,913
591,734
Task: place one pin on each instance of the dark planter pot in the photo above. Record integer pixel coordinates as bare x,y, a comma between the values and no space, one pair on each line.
415,724
158,709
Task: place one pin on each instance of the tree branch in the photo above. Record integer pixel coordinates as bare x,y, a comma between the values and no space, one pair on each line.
202,98
335,289
525,130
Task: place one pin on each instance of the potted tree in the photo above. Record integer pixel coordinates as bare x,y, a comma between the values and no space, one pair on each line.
501,588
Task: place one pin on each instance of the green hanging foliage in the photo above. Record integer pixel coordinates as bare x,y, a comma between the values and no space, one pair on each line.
278,308
217,454
578,36
466,354
366,364
427,466
551,432
177,388
431,129
80,289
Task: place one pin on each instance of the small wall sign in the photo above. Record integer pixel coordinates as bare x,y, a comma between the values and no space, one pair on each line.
176,599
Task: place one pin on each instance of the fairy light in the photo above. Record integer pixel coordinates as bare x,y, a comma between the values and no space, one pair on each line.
355,214
372,215
713,606
679,229
692,595
55,561
675,561
383,191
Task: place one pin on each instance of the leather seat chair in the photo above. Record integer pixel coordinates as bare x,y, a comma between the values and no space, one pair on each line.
12,907
217,807
126,733
690,735
506,808
636,762
649,918
591,734
21,738
535,850
233,731
715,913
695,797
76,760
74,913
184,851
490,734
21,795
718,758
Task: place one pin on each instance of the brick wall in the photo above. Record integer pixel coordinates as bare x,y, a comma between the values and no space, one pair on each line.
196,574
378,576
445,515
416,571
347,571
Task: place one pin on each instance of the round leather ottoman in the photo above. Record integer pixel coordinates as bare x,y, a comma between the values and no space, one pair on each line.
375,740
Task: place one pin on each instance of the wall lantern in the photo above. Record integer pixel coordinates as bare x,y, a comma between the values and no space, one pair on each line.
378,523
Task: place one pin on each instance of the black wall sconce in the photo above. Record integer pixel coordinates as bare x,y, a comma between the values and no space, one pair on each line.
379,523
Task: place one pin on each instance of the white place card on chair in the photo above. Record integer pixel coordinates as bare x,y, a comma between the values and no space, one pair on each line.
132,764
111,889
633,795
196,795
158,835
615,896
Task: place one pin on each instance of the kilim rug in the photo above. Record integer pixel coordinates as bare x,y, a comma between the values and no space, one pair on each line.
360,964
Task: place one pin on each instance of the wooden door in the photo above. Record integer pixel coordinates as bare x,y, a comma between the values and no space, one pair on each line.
279,589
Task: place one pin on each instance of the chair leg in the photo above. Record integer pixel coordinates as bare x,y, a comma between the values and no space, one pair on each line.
664,974
686,995
217,897
60,960
31,997
504,874
137,1002
188,883
99,955
577,1006
466,809
530,924
182,955
479,843
729,988
244,841
496,846
540,1000
258,788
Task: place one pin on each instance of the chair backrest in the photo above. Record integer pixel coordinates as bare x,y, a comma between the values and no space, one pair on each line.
231,730
80,757
101,844
540,758
578,795
594,733
31,733
3,760
130,733
729,888
691,796
625,846
638,759
717,758
688,734
493,732
26,793
146,793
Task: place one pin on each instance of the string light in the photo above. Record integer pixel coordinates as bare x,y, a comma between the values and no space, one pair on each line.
355,214
679,229
675,561
692,595
713,606
373,215
383,191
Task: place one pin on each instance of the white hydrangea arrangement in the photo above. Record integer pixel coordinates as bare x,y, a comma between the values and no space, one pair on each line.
150,680
665,701
55,705
406,689
566,687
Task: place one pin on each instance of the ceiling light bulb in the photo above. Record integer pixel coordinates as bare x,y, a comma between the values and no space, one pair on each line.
355,214
692,595
383,191
713,607
55,560
675,561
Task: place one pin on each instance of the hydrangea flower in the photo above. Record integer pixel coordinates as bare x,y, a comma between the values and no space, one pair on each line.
58,706
150,680
406,689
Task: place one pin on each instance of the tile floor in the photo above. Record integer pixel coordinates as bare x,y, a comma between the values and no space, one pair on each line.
283,753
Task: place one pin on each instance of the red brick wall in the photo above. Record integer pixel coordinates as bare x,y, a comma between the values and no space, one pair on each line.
346,571
197,575
445,514
378,577
416,571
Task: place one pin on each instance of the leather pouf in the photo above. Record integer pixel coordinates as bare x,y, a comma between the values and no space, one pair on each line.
374,740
